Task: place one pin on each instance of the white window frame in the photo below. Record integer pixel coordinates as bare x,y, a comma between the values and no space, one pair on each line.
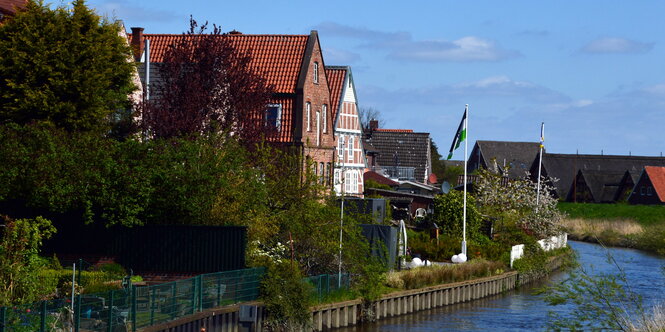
279,115
340,147
318,128
351,141
324,110
308,111
316,72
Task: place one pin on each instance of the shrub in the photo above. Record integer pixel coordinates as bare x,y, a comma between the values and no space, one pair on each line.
286,297
448,214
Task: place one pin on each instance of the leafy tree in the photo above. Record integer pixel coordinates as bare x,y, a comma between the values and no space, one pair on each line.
65,66
19,260
206,85
80,177
448,214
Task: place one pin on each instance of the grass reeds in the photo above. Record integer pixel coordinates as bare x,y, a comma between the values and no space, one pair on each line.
435,275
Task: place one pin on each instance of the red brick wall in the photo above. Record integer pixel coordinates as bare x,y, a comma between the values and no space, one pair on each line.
317,94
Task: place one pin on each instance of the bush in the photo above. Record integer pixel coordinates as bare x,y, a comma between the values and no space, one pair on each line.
286,297
448,214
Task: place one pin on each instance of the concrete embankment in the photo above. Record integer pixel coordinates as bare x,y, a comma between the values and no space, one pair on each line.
348,313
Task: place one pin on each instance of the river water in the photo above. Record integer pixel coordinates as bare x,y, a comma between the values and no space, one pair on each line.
521,309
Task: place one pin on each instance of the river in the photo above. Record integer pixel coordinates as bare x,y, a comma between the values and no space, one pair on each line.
521,309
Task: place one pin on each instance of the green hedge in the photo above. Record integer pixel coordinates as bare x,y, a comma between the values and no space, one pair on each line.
91,281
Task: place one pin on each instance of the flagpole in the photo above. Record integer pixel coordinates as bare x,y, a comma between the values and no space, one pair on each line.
540,162
466,146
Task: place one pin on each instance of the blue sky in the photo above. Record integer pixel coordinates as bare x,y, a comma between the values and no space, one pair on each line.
593,71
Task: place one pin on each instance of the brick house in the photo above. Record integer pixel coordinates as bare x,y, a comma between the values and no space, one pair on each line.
650,188
350,157
294,66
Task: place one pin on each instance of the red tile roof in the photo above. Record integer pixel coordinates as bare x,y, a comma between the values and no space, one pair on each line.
657,176
10,6
277,57
371,175
394,130
336,77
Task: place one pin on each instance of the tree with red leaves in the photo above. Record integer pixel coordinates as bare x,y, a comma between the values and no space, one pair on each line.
204,85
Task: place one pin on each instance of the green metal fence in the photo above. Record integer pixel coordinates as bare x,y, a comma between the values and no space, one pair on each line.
136,307
327,284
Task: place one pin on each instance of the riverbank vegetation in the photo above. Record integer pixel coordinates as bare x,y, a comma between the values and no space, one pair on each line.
622,225
442,274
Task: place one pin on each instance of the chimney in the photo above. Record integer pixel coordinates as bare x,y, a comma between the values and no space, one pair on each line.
137,43
373,125
235,32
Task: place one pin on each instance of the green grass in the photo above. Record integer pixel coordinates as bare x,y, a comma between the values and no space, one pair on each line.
646,215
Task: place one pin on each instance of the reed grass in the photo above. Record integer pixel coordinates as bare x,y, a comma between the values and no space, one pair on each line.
441,274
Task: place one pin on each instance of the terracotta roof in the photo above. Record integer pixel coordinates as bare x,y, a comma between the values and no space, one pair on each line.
394,130
336,76
371,175
277,57
10,6
657,177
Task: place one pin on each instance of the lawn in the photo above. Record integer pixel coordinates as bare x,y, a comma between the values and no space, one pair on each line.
645,215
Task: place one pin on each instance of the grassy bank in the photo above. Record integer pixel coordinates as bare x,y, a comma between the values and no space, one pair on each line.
645,215
633,226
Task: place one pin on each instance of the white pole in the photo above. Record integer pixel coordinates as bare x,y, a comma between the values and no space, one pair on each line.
341,218
71,327
540,162
466,146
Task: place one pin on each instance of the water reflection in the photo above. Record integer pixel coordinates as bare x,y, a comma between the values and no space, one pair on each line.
521,309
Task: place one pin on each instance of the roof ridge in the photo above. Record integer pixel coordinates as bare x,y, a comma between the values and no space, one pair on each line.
224,34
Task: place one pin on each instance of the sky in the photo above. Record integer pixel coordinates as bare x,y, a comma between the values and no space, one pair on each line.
592,71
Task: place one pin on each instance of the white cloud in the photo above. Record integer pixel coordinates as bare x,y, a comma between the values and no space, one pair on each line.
402,46
340,57
616,45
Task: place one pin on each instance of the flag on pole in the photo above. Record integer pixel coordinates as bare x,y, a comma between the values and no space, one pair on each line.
542,133
460,136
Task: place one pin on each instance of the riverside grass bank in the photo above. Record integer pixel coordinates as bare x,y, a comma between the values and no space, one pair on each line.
250,316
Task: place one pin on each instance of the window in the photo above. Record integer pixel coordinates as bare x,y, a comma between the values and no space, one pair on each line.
347,181
340,147
328,168
351,148
337,179
325,118
642,191
316,72
649,192
308,113
273,116
354,182
318,128
322,173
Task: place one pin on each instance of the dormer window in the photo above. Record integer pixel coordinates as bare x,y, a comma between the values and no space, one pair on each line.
316,72
273,116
